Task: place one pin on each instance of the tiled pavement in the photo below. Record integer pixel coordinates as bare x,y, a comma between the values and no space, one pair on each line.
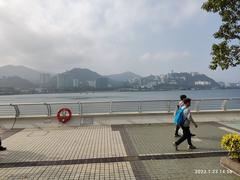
233,124
105,152
188,169
63,144
97,171
158,138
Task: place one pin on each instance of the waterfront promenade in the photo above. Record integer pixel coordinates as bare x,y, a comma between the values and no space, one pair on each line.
134,151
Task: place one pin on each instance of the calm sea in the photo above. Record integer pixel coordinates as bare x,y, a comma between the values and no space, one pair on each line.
112,96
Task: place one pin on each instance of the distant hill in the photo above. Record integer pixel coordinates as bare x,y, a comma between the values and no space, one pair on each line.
21,77
82,75
21,71
189,79
16,82
125,76
181,80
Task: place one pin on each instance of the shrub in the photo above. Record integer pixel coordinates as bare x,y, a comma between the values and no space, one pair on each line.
231,143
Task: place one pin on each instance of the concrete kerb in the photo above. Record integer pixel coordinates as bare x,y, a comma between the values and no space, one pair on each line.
228,163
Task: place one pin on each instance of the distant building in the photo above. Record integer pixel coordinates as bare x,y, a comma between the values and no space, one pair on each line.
102,83
44,79
202,83
172,82
162,79
60,81
151,84
75,83
182,78
233,85
92,84
64,82
7,90
222,84
41,90
194,73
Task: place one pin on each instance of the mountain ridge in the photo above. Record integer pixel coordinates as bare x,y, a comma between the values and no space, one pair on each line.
20,71
84,76
124,76
16,82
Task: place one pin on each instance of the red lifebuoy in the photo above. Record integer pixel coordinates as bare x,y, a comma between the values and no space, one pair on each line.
64,115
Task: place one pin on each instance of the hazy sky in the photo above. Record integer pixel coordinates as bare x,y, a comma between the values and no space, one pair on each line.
109,36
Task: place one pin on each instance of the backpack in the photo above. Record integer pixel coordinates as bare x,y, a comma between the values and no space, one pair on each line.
179,118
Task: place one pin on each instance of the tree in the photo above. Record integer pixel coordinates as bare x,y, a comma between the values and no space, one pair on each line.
226,53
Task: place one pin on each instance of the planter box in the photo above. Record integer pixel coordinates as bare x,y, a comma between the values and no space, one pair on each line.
233,165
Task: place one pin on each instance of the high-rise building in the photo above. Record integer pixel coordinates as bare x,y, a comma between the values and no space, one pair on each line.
75,83
102,83
60,81
64,82
92,84
44,79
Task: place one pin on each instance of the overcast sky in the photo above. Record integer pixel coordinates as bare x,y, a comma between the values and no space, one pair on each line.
109,36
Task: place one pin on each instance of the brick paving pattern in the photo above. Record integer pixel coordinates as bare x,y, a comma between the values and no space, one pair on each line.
105,152
155,139
98,171
206,168
63,144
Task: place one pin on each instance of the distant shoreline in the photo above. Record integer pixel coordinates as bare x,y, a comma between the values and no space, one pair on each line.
110,91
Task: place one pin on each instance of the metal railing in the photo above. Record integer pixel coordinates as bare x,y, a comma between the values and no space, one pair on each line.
114,107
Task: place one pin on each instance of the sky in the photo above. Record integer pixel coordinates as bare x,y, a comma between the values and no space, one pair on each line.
110,36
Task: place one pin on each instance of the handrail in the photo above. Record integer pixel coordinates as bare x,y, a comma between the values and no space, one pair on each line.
113,107
116,101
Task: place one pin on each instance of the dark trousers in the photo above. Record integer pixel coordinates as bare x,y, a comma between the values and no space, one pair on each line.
177,129
186,135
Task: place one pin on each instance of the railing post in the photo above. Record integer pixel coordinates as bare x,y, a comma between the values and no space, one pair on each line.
140,107
197,106
224,105
110,107
80,108
49,109
17,111
169,106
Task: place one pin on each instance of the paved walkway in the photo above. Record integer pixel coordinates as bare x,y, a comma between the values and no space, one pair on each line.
112,152
63,144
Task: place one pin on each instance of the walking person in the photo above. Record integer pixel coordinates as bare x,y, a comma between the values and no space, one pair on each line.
1,147
185,118
180,104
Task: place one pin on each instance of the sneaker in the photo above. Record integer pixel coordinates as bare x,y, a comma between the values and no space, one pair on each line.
177,135
3,148
193,134
191,147
175,145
